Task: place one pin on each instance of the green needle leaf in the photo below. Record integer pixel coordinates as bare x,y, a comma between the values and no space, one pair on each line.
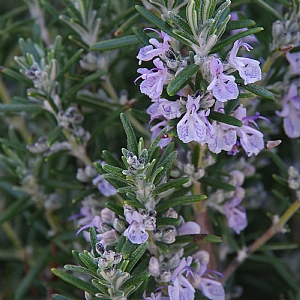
256,89
135,256
116,43
155,20
219,46
181,80
132,144
225,119
232,25
30,108
60,297
26,282
163,205
169,185
217,184
82,285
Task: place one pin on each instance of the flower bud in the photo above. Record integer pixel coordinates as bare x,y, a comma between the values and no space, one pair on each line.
199,173
100,248
105,227
111,237
154,266
292,172
174,261
128,209
277,29
202,256
90,171
189,228
165,276
81,176
238,177
119,225
110,273
188,169
149,223
175,173
107,215
117,258
294,184
109,255
171,213
157,234
169,235
102,263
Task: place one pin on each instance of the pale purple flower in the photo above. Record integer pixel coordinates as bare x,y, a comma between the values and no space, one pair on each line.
220,136
223,137
154,266
291,112
153,80
103,224
86,223
107,215
189,228
238,177
212,289
202,258
88,215
250,138
136,231
236,215
153,111
169,109
209,287
294,60
149,52
156,130
104,186
182,288
248,68
192,127
223,86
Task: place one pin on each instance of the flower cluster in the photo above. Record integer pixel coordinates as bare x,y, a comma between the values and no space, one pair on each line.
229,203
291,112
108,227
183,278
144,222
192,111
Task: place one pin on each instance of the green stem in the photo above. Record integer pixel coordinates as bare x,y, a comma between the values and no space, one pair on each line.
270,60
202,218
274,229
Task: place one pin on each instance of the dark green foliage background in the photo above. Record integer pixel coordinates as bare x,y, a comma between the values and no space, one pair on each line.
28,251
